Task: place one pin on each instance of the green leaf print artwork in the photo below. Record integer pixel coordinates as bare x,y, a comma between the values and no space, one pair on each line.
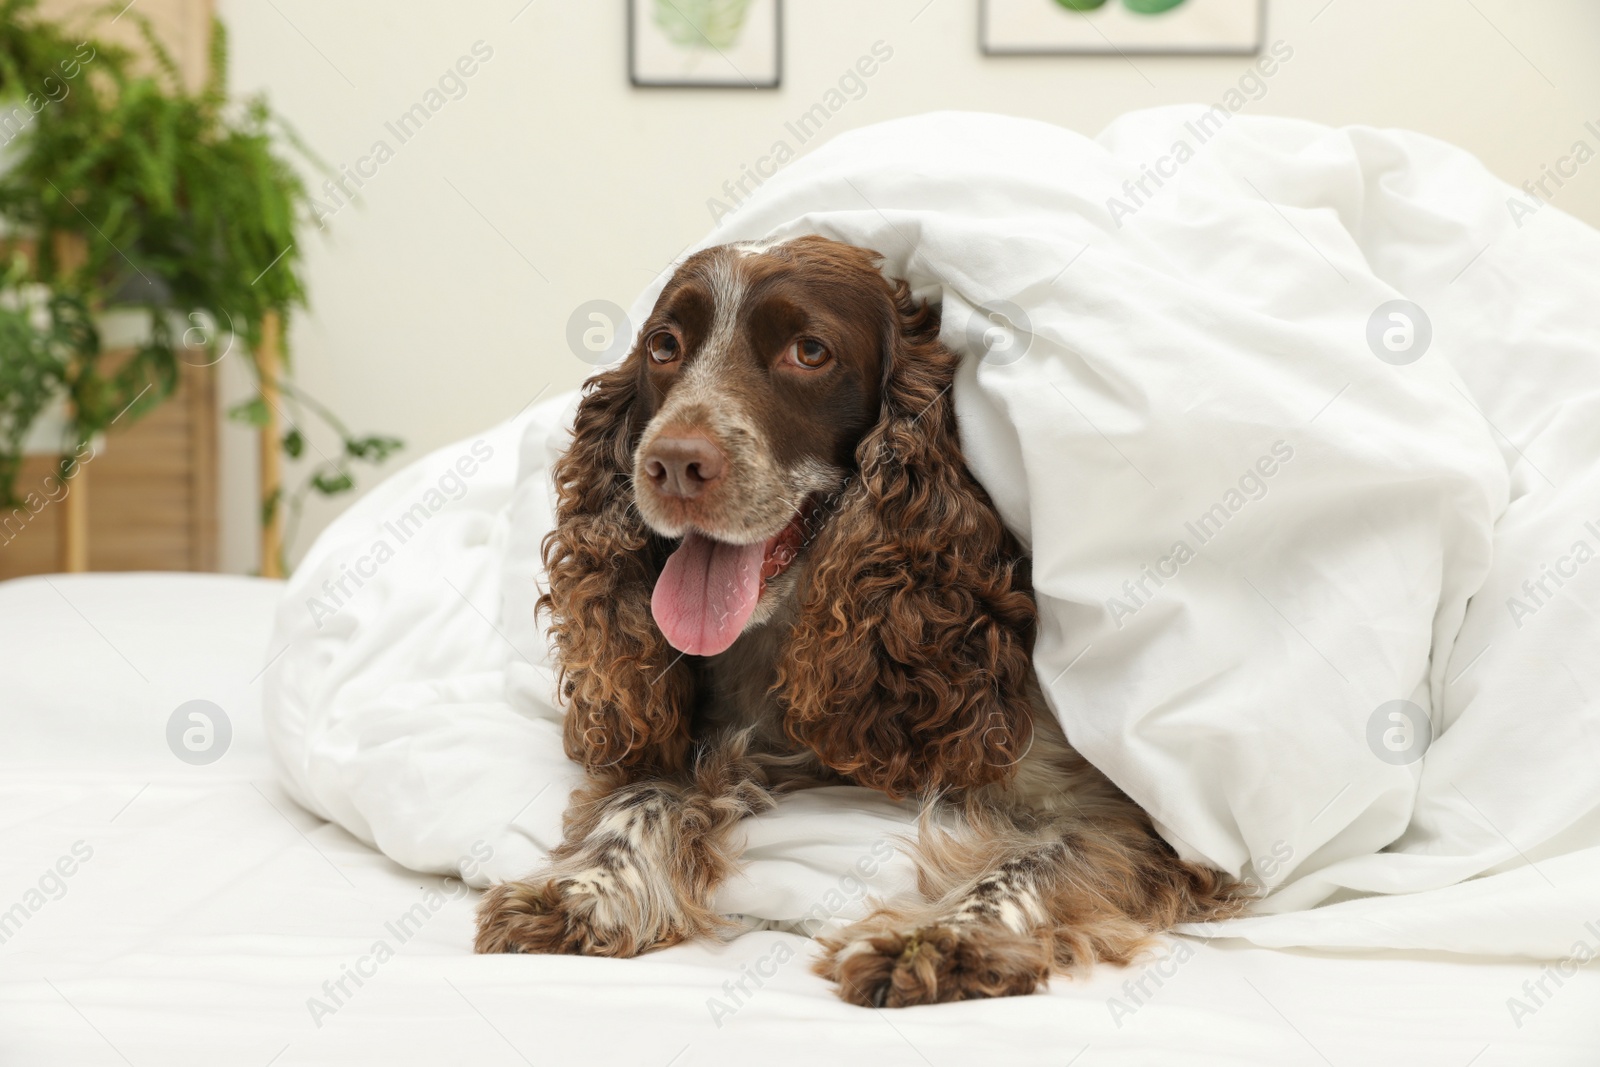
1139,7
697,25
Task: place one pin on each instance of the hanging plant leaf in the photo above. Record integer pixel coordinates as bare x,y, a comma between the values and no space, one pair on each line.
294,443
373,449
331,482
252,412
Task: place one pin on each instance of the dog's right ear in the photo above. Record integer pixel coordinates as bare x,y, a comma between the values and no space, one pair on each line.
627,692
909,665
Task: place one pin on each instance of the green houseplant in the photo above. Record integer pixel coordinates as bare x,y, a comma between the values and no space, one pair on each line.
183,209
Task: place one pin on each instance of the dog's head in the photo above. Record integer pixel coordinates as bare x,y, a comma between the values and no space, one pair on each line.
759,371
781,430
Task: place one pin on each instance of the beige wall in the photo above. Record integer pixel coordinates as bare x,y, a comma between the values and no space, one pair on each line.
441,301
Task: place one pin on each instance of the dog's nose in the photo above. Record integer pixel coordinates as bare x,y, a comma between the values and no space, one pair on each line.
683,465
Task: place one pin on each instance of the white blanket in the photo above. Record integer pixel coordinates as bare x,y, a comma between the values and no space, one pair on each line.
1282,537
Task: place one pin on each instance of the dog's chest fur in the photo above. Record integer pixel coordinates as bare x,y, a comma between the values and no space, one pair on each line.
736,690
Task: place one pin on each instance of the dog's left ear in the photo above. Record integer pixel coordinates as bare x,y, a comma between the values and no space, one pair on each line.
911,662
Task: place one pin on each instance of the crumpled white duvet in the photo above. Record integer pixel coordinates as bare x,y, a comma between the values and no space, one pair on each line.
1254,539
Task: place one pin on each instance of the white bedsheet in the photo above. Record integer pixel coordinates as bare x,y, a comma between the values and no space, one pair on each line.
212,909
1251,534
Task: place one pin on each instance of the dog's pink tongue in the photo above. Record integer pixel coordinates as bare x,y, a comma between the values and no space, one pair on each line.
706,593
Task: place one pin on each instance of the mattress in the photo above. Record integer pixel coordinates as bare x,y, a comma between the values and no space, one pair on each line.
161,908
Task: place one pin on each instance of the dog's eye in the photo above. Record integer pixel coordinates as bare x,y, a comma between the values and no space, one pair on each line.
808,353
663,346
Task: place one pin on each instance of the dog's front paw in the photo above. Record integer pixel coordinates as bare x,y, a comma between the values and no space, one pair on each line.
577,915
522,917
882,967
547,916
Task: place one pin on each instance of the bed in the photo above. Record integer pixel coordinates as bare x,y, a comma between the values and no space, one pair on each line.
222,790
213,914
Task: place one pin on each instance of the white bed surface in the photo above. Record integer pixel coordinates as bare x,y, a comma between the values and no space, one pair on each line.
212,909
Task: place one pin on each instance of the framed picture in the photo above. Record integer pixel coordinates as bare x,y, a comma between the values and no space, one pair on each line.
1121,27
705,44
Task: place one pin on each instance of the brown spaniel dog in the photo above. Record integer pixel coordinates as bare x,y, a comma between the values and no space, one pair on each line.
772,569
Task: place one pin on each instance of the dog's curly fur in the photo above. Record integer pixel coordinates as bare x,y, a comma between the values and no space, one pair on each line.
895,654
917,601
627,690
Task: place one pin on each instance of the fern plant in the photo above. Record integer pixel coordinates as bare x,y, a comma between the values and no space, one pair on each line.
188,211
40,331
